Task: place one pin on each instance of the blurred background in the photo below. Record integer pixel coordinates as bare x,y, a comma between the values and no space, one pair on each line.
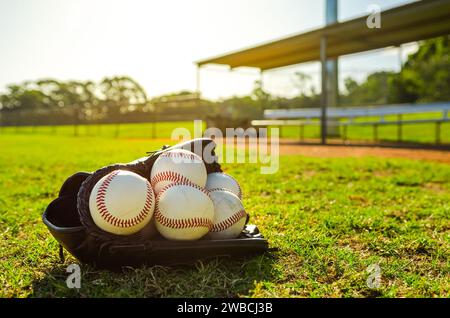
140,68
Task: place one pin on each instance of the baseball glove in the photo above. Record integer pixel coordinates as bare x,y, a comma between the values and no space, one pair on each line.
69,221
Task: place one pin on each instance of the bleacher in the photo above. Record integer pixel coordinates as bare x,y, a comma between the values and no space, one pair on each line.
358,116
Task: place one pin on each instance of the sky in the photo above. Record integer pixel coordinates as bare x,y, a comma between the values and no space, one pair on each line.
157,42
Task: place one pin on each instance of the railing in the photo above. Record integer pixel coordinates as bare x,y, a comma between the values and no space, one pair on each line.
345,117
359,111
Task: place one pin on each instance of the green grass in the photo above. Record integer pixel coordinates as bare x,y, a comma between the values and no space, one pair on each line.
329,218
422,133
140,130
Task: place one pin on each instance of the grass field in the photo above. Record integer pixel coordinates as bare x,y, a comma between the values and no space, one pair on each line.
329,218
139,130
422,133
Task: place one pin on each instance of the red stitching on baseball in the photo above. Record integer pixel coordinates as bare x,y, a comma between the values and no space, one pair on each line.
169,176
170,154
219,189
113,220
181,223
239,187
225,224
186,183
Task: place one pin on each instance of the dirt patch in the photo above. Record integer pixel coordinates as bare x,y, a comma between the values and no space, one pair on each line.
331,151
308,174
435,187
290,147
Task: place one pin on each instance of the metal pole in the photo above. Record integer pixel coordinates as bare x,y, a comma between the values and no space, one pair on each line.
324,99
331,17
345,133
329,72
261,84
116,133
399,127
375,132
197,80
261,78
331,10
438,132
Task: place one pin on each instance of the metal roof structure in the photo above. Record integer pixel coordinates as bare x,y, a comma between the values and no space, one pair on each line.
411,22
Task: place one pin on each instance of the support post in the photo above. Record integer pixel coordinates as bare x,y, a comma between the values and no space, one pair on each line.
332,80
345,127
399,127
438,132
330,91
261,84
324,99
117,131
197,80
375,132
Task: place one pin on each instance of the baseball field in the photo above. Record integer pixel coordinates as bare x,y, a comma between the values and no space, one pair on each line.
411,133
331,219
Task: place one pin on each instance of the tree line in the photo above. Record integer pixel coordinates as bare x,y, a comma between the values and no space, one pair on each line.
78,101
424,77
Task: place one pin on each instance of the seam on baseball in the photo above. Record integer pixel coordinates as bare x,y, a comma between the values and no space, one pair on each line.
230,221
192,156
169,176
219,189
239,187
113,220
181,223
185,183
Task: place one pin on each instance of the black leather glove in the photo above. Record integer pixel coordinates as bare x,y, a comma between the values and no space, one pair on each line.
69,221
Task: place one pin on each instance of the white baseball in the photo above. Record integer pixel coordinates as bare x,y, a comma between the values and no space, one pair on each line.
220,180
122,202
183,212
229,215
177,166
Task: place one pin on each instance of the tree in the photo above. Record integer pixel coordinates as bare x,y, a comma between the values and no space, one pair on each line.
72,97
425,77
260,96
376,89
301,81
24,97
122,94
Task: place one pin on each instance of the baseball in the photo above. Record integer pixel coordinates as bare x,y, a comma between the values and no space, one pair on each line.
177,166
229,215
183,212
122,202
220,180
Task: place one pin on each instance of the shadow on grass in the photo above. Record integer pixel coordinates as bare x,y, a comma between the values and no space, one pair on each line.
215,277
